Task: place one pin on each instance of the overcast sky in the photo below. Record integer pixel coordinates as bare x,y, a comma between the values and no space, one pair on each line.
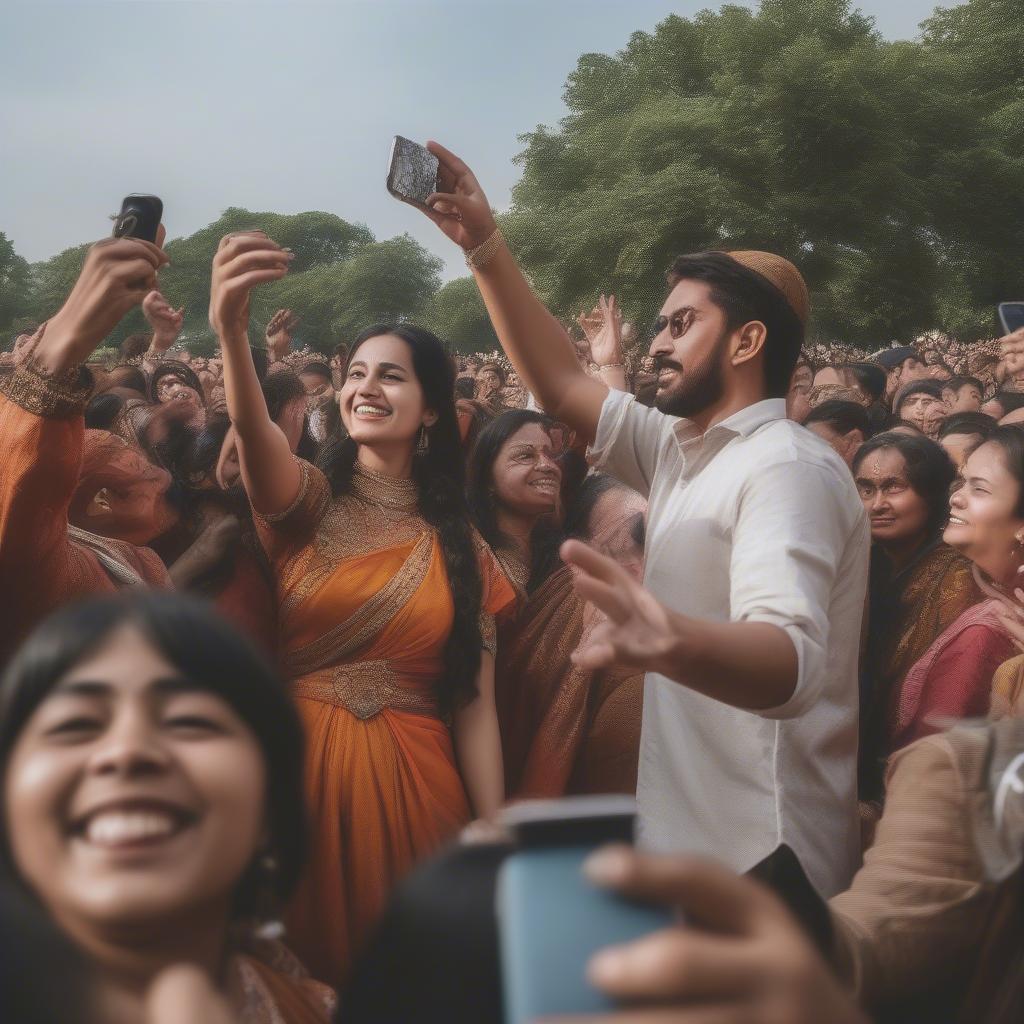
284,106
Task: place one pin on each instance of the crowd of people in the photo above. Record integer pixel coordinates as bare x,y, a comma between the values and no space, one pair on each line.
284,625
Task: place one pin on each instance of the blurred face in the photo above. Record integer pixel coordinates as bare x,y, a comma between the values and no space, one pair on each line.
897,513
912,369
316,387
921,410
983,523
844,445
291,420
957,446
132,797
967,399
526,477
131,503
381,400
487,382
802,376
689,351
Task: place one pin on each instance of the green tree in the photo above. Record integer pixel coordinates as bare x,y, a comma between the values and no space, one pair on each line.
15,289
456,313
795,128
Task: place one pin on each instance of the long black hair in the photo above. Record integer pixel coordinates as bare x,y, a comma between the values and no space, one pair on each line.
439,473
483,506
209,653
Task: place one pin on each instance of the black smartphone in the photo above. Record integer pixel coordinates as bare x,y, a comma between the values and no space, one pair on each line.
140,217
1011,316
412,172
551,920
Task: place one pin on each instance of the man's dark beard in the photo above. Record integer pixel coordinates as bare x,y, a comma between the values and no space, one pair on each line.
694,389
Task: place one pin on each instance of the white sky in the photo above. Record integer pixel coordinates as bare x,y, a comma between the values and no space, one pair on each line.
284,106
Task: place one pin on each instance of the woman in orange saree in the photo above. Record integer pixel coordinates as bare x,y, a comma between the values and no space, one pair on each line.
386,603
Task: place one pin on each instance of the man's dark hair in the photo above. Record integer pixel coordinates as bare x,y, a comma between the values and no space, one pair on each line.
841,416
745,295
870,378
967,423
956,383
916,387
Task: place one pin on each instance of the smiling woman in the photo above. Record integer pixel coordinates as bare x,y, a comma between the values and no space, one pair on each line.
150,768
953,679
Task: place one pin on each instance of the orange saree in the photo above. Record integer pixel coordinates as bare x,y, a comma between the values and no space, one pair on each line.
363,629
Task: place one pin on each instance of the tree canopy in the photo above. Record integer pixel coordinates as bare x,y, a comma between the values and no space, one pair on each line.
891,173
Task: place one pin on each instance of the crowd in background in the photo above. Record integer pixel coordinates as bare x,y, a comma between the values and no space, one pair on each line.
236,479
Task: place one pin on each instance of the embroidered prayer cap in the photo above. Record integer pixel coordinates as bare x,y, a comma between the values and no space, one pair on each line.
781,273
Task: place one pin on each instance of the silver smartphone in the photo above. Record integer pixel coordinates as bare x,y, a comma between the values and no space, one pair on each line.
412,172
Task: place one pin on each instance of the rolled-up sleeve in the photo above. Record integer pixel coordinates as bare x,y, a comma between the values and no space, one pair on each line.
792,525
630,438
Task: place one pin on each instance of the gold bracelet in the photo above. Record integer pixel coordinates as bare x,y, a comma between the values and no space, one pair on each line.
610,366
484,252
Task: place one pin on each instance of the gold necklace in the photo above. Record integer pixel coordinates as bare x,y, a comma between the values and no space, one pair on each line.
395,498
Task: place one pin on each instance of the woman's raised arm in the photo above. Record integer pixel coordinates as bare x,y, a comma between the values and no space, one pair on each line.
269,472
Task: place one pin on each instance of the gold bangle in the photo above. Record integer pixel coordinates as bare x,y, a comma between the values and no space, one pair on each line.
484,252
611,366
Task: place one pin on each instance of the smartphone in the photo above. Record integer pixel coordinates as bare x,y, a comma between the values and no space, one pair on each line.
1011,316
551,920
140,217
412,172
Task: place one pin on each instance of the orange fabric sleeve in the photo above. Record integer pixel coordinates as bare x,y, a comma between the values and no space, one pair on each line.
286,533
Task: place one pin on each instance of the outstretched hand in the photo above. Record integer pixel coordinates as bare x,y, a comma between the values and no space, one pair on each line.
117,275
740,958
459,207
165,320
242,261
606,342
279,333
638,631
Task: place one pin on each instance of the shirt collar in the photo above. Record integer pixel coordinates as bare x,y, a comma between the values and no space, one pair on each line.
741,423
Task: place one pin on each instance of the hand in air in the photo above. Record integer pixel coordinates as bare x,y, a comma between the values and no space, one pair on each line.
606,342
459,208
242,261
638,629
117,275
279,333
740,957
163,318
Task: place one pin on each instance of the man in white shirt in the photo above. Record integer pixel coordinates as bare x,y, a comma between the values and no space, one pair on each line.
756,558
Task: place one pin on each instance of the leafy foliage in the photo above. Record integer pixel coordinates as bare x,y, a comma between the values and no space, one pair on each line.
891,173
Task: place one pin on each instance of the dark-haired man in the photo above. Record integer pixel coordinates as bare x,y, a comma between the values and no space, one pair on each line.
756,554
962,394
844,426
962,432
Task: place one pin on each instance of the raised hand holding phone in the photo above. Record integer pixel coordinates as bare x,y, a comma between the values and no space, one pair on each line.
459,207
117,275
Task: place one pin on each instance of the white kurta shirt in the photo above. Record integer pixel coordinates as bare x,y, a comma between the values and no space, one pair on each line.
757,520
